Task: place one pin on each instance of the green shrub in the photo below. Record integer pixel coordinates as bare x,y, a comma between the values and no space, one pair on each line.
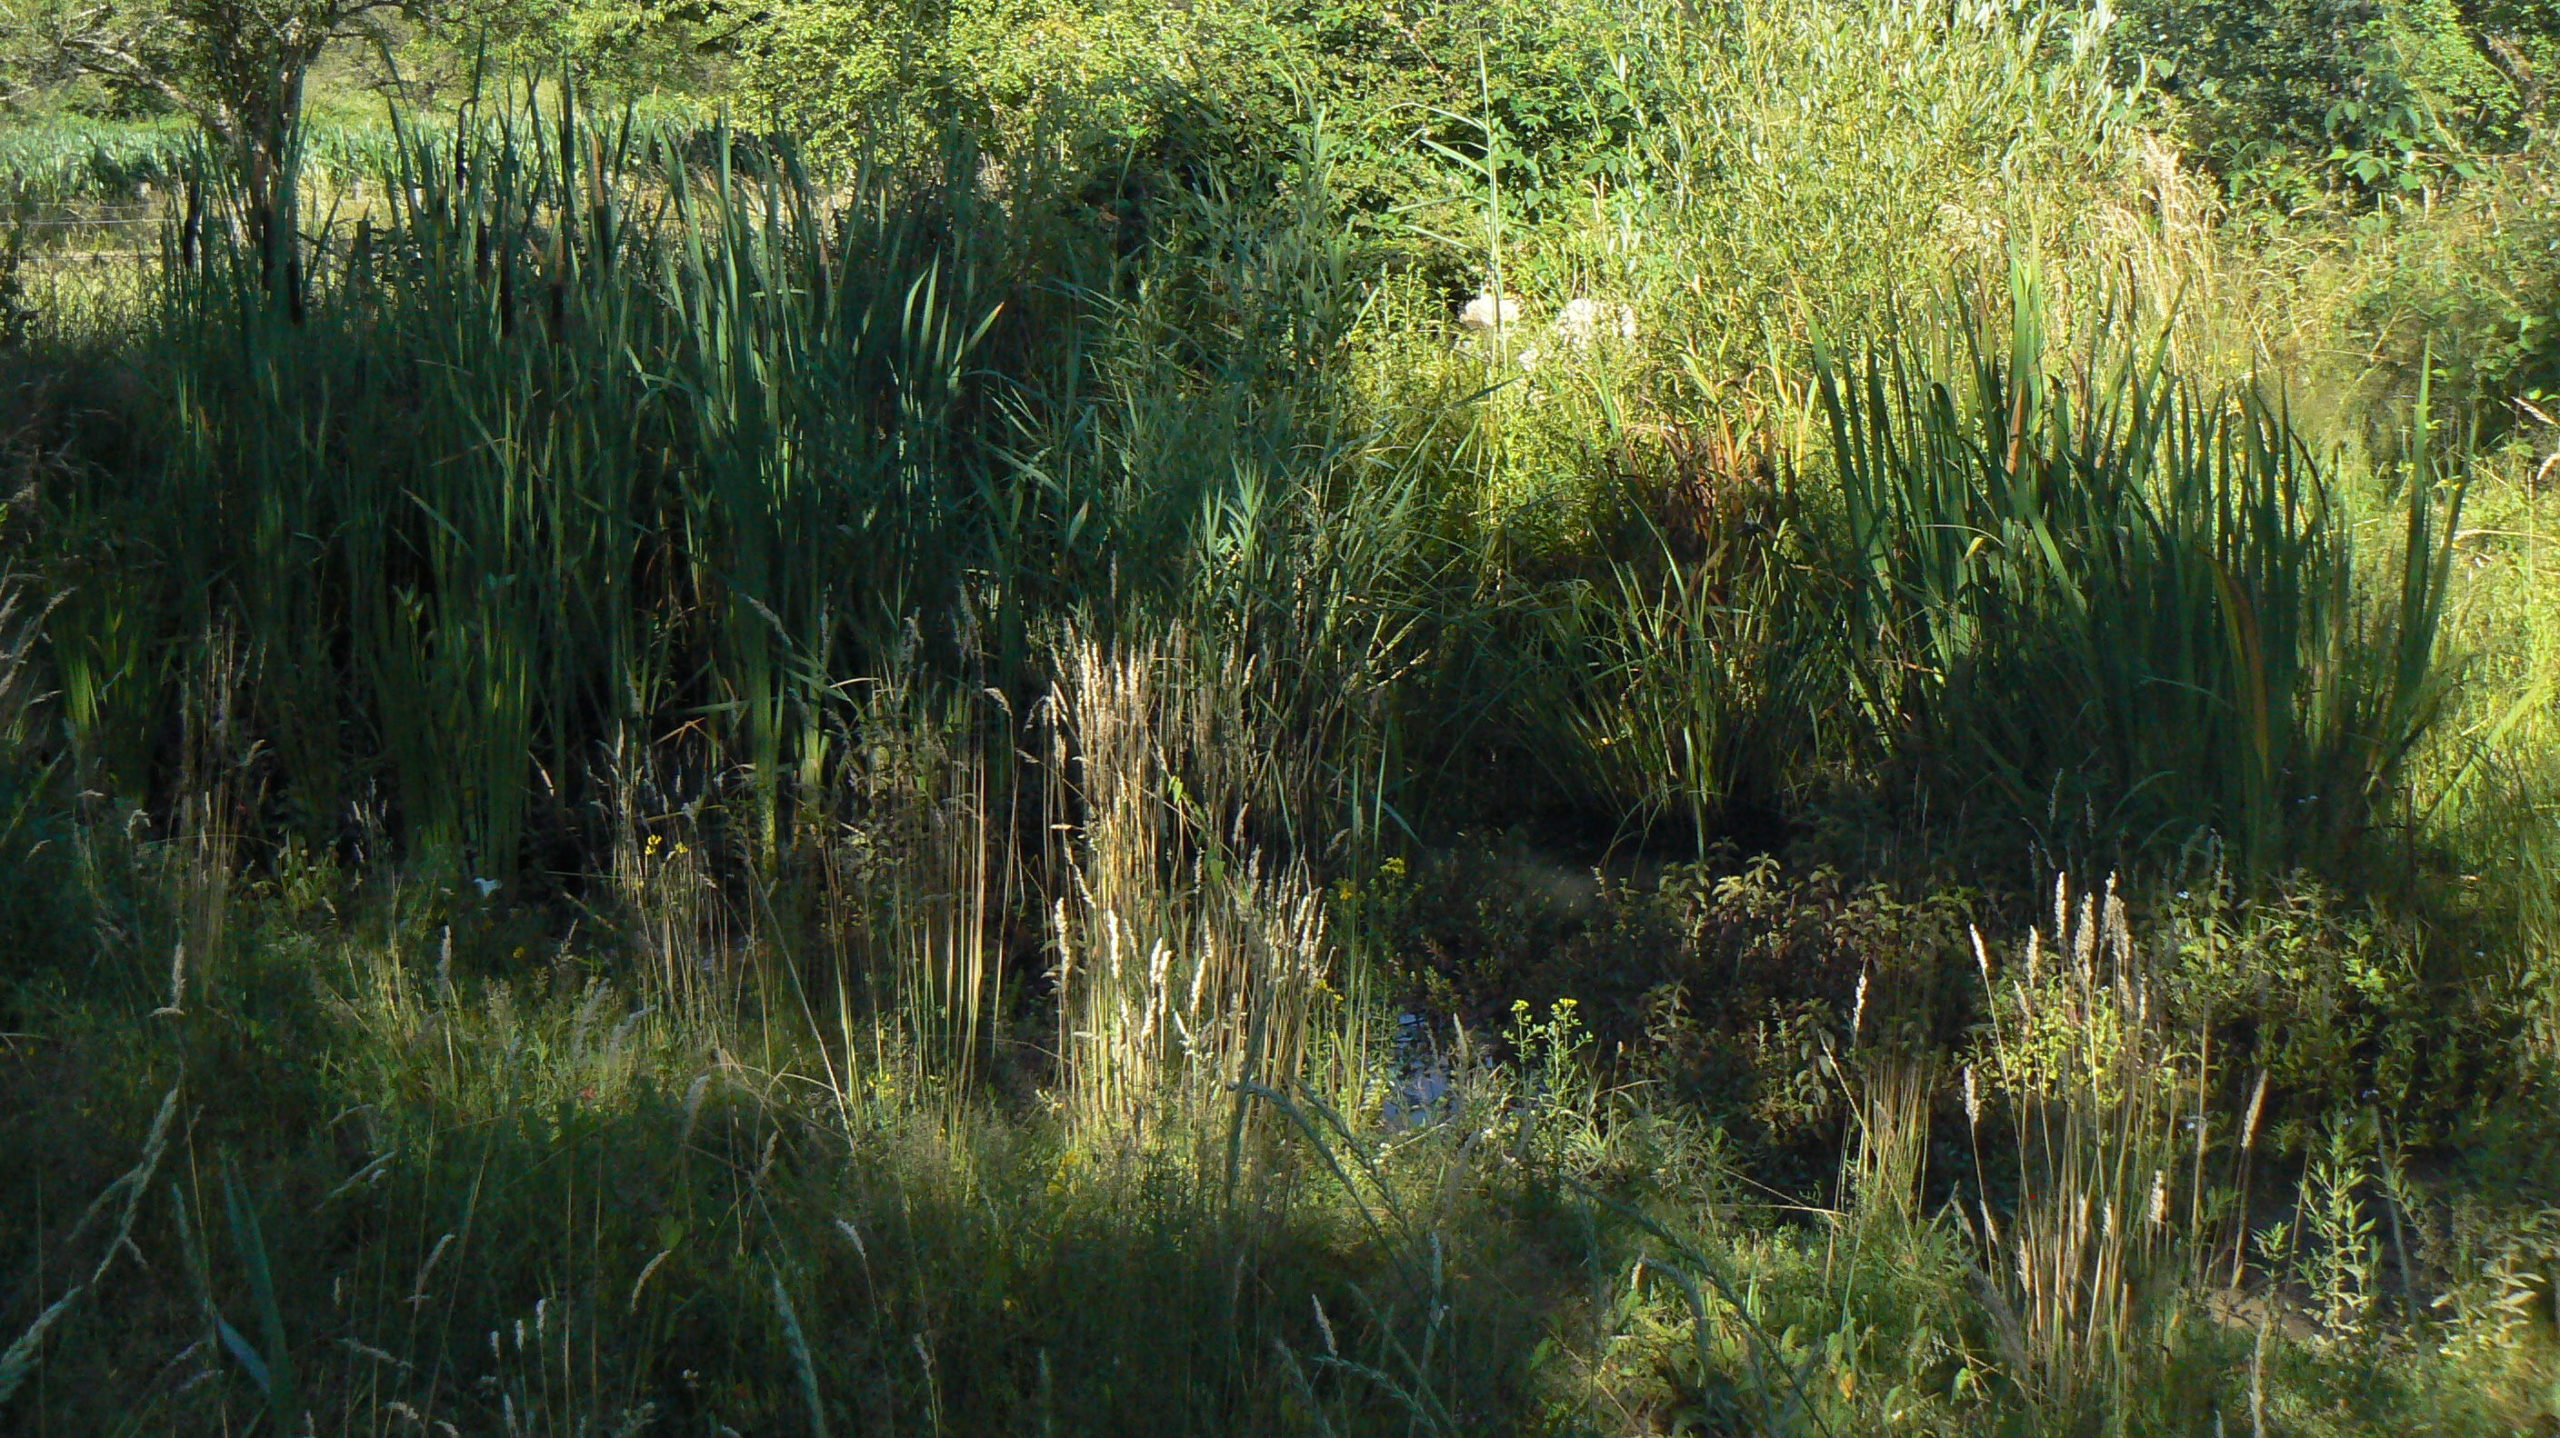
2342,1007
2469,291
1153,101
1738,987
2379,96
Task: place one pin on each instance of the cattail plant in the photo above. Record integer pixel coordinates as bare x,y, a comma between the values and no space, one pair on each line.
2104,580
579,446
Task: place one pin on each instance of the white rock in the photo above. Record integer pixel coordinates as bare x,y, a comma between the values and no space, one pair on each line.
1485,311
1580,321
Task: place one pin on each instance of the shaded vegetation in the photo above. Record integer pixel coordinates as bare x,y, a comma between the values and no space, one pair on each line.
1261,718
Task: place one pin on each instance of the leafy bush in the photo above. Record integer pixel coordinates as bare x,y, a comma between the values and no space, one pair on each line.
2341,1006
2469,294
2380,96
1156,101
1737,986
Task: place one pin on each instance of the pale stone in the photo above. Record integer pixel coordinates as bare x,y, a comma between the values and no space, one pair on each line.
1485,311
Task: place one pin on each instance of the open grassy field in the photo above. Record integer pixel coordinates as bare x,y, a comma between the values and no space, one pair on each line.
1429,720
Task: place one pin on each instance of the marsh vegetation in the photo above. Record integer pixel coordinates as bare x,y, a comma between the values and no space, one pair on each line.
1814,718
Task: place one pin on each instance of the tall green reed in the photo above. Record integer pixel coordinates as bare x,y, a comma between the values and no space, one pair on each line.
581,443
616,511
1704,671
2097,588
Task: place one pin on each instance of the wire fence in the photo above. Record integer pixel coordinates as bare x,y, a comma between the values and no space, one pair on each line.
46,227
125,232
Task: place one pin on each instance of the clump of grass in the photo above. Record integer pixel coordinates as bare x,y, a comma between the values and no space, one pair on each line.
2106,586
537,602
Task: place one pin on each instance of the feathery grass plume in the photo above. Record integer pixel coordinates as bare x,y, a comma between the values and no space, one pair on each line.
803,1365
1184,968
18,1361
2093,1087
